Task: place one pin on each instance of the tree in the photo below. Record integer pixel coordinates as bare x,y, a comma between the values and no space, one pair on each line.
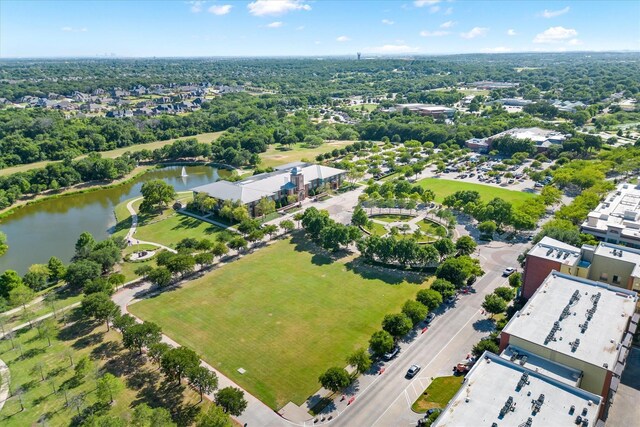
160,276
458,270
143,271
38,369
177,362
265,206
36,277
414,310
202,379
219,249
398,325
485,345
157,350
466,245
156,194
123,322
141,335
205,258
108,387
9,280
231,400
287,225
550,195
335,379
144,416
359,218
3,244
505,293
182,264
270,229
360,360
99,285
445,247
77,402
81,272
100,307
430,298
494,304
237,243
21,295
214,417
515,280
47,329
444,288
84,245
381,342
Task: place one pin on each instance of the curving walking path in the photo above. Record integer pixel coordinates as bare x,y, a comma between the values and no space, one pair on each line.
134,227
5,381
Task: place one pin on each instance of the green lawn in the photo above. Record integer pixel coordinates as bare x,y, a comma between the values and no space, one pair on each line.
438,394
444,187
377,229
63,299
284,313
392,218
172,229
276,156
143,382
432,228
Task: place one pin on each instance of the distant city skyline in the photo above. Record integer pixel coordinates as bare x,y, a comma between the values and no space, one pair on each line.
312,28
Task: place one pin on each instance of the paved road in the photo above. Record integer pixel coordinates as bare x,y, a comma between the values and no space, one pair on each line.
387,400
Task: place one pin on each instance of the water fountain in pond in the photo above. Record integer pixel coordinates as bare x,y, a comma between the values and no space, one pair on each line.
184,172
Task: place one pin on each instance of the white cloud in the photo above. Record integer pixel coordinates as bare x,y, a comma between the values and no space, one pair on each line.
434,9
511,32
220,10
276,7
448,24
342,39
499,49
555,35
74,30
196,6
553,13
422,3
475,32
388,22
449,11
276,24
575,42
392,49
426,33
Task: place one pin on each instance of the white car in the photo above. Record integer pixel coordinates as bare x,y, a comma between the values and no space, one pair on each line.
508,271
413,370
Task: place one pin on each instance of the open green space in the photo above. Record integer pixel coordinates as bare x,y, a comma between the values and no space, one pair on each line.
438,394
277,155
377,229
203,137
366,107
444,187
62,299
432,228
285,314
142,381
392,218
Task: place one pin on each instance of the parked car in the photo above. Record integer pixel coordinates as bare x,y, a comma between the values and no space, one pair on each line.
538,185
430,318
508,271
451,299
393,353
511,181
412,371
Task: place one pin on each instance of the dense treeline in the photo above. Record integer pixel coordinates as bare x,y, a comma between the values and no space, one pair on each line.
573,75
91,168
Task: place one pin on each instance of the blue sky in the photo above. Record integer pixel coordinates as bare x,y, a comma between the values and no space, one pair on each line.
322,27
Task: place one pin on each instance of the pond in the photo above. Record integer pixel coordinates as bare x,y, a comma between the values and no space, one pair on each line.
39,231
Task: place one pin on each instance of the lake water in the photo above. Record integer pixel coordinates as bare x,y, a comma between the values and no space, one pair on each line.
37,232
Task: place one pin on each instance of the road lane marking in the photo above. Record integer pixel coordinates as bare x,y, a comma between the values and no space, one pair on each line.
434,358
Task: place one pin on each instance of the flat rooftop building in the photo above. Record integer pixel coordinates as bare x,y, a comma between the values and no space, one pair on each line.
498,392
428,110
576,322
617,218
606,262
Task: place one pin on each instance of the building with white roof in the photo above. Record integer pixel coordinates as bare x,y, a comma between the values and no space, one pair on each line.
617,218
542,138
499,392
578,323
296,181
438,111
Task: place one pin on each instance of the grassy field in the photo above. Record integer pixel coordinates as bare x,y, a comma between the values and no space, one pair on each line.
63,299
143,382
393,218
285,314
432,228
367,107
438,394
275,156
203,137
444,187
